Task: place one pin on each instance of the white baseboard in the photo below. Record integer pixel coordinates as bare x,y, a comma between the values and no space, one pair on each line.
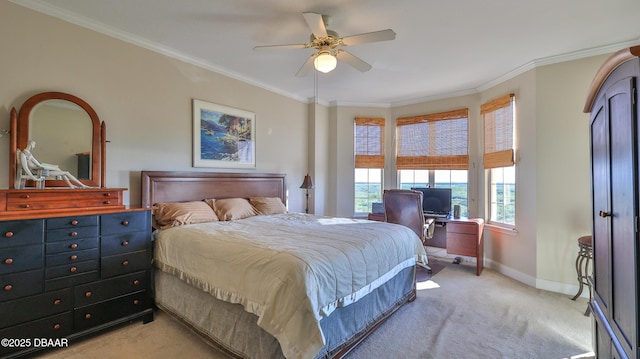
557,287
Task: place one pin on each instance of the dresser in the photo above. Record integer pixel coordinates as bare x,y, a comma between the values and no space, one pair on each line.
72,274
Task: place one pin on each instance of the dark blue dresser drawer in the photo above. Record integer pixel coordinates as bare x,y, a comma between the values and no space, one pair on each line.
19,233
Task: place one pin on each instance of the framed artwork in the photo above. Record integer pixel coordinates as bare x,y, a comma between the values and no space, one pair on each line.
223,136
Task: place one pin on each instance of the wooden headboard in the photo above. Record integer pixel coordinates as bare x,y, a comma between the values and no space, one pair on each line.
171,186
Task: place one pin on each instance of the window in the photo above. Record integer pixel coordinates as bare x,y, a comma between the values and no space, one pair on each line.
454,179
502,195
368,188
499,117
432,150
369,162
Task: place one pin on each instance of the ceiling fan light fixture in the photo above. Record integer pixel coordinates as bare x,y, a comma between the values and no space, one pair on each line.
325,62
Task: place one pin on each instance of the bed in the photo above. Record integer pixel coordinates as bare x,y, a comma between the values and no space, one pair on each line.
274,284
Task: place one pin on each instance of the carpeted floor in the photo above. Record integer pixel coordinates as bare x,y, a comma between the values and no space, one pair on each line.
456,315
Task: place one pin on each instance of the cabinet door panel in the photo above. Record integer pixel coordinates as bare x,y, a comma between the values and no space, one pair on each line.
623,190
600,169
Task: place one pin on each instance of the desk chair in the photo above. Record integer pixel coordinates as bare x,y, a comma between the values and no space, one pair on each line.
404,207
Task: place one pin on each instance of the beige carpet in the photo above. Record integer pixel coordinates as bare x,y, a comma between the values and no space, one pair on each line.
456,315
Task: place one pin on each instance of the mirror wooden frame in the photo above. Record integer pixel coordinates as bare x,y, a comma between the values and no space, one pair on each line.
20,136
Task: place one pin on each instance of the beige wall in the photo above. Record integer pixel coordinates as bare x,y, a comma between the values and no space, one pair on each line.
145,100
563,166
143,97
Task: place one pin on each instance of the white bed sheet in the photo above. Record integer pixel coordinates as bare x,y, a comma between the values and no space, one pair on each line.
290,270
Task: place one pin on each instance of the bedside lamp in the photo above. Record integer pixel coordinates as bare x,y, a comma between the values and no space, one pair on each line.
307,184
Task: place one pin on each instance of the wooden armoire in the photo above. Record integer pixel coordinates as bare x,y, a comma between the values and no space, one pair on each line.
615,154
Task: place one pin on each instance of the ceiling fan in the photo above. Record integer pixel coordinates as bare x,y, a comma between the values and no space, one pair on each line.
329,45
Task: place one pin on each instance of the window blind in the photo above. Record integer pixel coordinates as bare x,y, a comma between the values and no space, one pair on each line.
433,142
498,116
369,142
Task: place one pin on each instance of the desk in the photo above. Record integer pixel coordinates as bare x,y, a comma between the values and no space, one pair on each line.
461,236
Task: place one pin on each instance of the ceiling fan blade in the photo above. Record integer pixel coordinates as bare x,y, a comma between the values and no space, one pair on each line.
382,35
353,61
316,24
306,67
281,47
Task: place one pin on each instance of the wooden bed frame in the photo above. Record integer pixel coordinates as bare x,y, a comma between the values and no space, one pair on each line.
172,186
169,186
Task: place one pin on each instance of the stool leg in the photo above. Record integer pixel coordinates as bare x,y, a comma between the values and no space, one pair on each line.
587,312
579,260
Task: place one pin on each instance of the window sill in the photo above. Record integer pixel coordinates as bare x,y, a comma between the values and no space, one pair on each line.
496,228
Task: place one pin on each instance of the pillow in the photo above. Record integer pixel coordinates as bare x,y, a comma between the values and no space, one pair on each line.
268,205
229,209
167,215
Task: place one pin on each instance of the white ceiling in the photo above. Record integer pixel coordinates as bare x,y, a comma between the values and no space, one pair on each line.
442,48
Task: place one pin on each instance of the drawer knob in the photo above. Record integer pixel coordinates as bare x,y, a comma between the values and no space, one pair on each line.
73,246
8,234
136,282
125,243
125,223
73,234
73,269
8,261
88,294
25,196
74,222
73,257
125,263
106,194
57,302
106,202
136,302
87,316
8,287
57,326
24,206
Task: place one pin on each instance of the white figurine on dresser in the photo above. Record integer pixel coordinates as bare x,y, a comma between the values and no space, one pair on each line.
30,168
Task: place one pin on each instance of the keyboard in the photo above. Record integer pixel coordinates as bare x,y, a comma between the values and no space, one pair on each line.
436,214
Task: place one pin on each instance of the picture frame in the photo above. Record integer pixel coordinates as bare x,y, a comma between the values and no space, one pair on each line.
223,136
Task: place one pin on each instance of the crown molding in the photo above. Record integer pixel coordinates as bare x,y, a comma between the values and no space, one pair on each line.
73,18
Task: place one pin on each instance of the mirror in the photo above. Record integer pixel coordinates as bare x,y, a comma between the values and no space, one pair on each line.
67,133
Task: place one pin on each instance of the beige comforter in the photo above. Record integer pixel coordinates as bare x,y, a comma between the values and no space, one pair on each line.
290,270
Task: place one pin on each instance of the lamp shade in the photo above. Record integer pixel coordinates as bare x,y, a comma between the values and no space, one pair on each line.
325,62
307,183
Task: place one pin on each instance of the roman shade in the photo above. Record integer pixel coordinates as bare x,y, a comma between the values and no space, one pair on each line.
369,142
436,141
498,117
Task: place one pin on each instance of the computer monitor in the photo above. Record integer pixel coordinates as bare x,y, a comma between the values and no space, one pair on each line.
436,201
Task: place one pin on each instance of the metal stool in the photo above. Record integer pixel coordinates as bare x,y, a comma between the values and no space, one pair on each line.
585,255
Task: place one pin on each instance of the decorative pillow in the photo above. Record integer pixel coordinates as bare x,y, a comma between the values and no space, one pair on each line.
229,209
167,215
268,205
